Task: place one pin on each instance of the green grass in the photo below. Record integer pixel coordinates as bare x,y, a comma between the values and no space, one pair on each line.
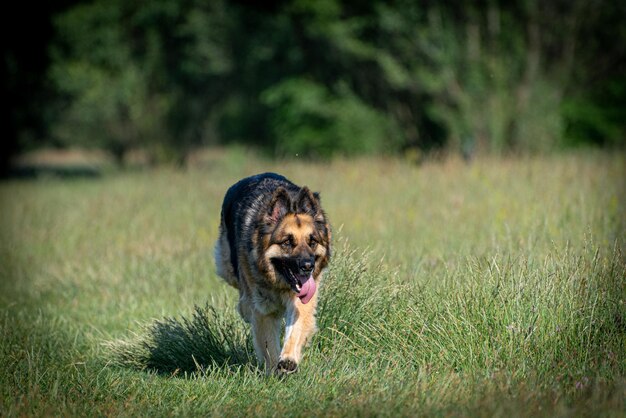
494,288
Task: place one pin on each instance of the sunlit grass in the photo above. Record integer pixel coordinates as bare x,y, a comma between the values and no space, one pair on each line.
490,288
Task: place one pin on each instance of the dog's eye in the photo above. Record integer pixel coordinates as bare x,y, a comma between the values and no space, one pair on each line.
286,244
312,243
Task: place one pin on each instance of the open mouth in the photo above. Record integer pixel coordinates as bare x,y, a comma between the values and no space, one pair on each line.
305,287
302,284
299,281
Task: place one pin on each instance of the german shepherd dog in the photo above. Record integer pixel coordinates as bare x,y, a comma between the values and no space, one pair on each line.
273,245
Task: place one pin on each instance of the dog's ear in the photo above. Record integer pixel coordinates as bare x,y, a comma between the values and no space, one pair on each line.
307,202
279,205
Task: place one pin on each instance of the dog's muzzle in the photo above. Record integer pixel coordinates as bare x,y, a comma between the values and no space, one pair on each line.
298,272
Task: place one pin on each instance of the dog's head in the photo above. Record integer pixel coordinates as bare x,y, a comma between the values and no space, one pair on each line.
297,239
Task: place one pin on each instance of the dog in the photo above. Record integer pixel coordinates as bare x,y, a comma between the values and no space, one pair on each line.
274,244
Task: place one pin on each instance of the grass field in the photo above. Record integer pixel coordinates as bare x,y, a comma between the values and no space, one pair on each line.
494,288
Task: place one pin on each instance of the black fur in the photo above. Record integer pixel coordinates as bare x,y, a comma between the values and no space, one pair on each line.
243,202
274,242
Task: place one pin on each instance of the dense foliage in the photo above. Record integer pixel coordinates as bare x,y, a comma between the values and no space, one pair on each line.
325,77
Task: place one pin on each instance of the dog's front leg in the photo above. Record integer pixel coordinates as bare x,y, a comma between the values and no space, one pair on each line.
300,326
266,337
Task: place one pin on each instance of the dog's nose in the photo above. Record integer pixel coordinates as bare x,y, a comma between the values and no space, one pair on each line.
306,265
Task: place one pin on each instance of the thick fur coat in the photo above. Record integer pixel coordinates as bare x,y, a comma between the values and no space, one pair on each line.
273,246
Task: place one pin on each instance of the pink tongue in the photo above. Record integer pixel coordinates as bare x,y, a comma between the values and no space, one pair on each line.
307,291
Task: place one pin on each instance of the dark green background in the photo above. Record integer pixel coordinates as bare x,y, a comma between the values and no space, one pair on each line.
314,78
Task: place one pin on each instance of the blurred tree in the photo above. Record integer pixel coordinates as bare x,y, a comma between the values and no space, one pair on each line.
594,103
140,75
308,120
28,96
491,74
597,116
326,77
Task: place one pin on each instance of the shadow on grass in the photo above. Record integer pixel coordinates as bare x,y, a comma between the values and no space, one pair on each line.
206,340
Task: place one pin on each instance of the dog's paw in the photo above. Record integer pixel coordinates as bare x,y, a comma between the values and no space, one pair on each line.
286,366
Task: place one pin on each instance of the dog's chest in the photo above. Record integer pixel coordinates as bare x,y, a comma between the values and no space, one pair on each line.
267,301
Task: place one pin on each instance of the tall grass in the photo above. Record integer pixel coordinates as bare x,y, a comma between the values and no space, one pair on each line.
495,288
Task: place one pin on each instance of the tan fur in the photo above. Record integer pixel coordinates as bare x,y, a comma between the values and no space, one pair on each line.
265,298
300,318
